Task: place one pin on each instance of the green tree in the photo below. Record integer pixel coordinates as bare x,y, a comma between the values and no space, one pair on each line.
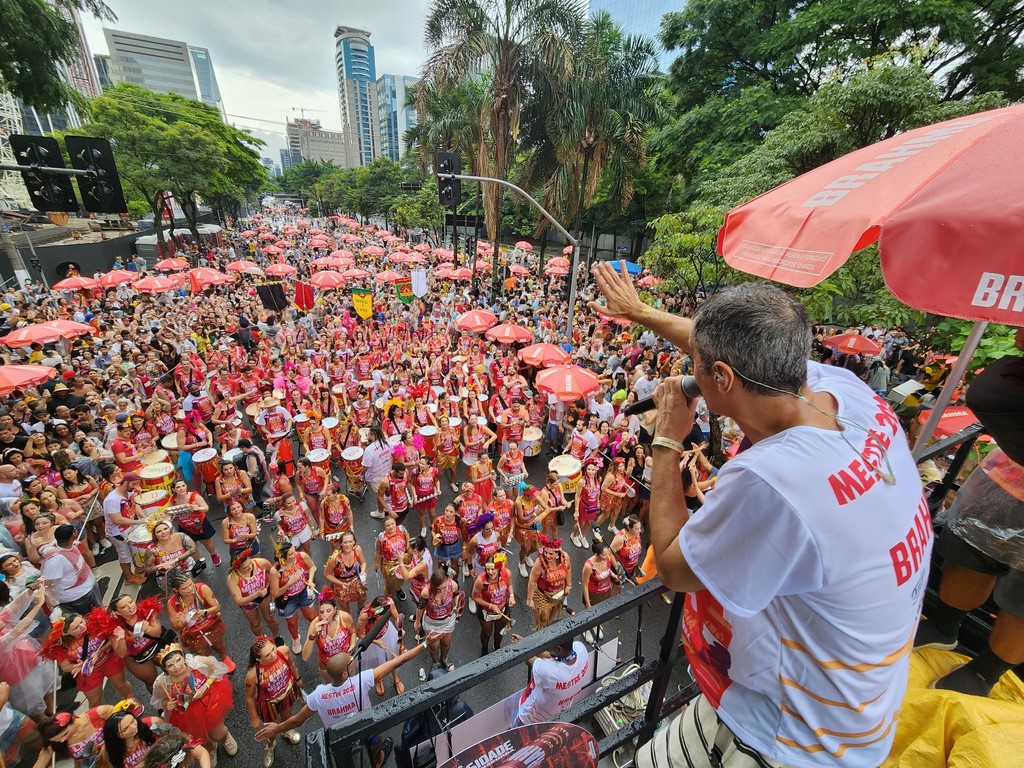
515,42
303,179
38,39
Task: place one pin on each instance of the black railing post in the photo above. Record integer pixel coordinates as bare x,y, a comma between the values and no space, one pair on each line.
671,647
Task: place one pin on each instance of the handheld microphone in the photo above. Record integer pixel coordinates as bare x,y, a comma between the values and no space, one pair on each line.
688,385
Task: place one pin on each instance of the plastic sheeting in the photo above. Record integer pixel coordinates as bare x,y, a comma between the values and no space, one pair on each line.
943,729
988,511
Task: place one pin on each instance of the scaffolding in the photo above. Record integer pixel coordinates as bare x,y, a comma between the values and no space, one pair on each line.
11,186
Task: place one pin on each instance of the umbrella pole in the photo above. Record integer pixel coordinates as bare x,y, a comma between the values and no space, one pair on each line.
952,382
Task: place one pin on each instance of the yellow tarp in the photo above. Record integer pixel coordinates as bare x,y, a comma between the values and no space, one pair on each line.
942,729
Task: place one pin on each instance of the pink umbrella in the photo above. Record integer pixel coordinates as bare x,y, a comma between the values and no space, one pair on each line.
422,248
46,333
443,273
14,377
399,257
373,250
204,276
280,270
509,333
116,277
248,233
462,273
342,254
155,284
416,258
518,269
403,248
272,250
302,224
242,265
556,271
482,266
350,238
567,250
320,242
476,321
283,244
77,283
484,248
524,246
567,382
316,231
558,261
324,262
442,253
852,344
171,265
387,276
543,355
254,270
327,280
267,236
355,274
446,265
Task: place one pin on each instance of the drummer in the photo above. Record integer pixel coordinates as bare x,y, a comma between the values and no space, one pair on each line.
189,510
395,494
312,480
512,469
336,511
315,435
426,487
447,443
513,424
126,454
144,435
476,438
274,424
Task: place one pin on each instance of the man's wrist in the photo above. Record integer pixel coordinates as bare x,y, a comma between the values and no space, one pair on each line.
667,442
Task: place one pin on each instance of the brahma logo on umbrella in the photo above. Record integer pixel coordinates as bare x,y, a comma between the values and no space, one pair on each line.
544,745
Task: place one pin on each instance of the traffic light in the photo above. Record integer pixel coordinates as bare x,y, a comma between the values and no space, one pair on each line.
449,191
48,191
101,187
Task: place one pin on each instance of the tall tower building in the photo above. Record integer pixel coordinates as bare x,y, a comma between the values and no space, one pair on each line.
357,95
206,80
640,17
164,66
395,117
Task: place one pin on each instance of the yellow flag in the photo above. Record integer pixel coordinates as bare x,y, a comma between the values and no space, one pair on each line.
362,300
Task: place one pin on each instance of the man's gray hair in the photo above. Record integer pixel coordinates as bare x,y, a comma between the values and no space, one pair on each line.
759,331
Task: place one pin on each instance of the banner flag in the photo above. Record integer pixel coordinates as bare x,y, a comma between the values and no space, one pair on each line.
362,300
419,283
403,288
303,296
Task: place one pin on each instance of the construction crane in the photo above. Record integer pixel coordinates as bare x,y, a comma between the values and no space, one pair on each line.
303,110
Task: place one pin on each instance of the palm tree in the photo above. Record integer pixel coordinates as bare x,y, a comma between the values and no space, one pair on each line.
517,41
592,125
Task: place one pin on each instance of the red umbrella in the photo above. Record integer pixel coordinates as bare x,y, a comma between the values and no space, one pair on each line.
328,262
116,277
476,321
272,250
445,273
350,238
403,248
302,224
373,250
316,231
556,271
567,250
445,265
77,283
508,333
283,244
355,274
204,276
155,284
954,419
462,273
543,355
327,280
267,236
518,269
279,270
415,258
522,245
46,333
242,265
558,261
342,254
422,248
399,257
567,382
248,233
171,265
14,377
387,276
852,344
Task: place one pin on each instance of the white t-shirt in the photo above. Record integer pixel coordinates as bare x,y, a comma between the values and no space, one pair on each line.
553,686
333,703
645,387
377,458
815,571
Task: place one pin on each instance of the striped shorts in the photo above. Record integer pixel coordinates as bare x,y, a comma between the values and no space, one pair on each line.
696,738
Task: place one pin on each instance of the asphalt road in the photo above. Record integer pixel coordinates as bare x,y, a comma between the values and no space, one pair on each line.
465,645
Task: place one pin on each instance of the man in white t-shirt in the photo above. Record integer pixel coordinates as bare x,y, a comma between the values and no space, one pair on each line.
120,517
806,566
555,679
345,696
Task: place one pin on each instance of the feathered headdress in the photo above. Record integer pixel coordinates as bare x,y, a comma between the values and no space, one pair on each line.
418,390
326,595
394,401
279,551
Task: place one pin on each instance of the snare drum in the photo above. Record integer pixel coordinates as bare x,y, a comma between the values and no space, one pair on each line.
207,464
152,502
301,422
531,442
429,435
333,427
569,470
320,457
157,477
158,456
170,444
141,541
354,469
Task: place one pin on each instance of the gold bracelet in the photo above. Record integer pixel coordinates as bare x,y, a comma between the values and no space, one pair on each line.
668,442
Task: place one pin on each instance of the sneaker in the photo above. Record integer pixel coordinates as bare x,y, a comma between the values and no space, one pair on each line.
575,540
448,664
530,560
523,572
216,560
136,578
377,514
472,607
455,488
600,633
422,674
296,646
465,571
423,532
268,753
105,543
584,544
614,530
588,636
963,680
95,549
928,636
230,745
400,595
292,737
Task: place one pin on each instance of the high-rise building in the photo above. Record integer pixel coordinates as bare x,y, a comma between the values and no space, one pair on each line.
164,66
206,80
102,62
312,142
290,158
11,185
395,117
640,17
273,169
357,95
81,71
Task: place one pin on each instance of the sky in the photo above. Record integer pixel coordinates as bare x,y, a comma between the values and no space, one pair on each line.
271,57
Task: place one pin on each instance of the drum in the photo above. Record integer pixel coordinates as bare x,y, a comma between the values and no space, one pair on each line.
158,456
333,427
338,390
152,502
429,435
394,440
455,422
531,442
320,457
141,541
432,407
207,464
354,469
235,457
438,391
569,471
170,444
364,435
301,422
157,477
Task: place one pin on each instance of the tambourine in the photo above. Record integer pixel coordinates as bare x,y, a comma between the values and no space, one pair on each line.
421,499
179,509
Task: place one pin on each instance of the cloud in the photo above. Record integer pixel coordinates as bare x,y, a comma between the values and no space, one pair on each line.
271,57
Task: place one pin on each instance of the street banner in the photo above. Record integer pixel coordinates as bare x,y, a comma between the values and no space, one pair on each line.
419,283
362,300
403,288
544,745
303,296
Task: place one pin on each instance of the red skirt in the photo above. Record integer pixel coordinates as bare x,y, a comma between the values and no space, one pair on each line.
205,713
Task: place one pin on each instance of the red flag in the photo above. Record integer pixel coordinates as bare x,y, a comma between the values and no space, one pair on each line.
303,296
194,283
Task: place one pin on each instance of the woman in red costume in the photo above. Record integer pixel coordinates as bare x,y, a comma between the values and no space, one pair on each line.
331,633
272,686
83,646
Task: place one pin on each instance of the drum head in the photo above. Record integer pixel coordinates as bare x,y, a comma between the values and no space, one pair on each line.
300,418
140,535
330,423
318,454
454,421
352,453
206,454
532,433
428,430
233,455
154,471
170,442
150,498
565,465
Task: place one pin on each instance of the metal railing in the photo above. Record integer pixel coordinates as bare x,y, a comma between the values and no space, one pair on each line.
341,745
